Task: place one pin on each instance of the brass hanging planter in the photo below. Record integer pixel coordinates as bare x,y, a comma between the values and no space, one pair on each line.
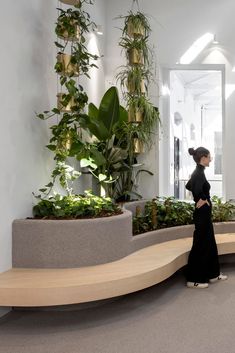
132,87
135,30
63,108
136,57
65,143
66,36
67,68
138,146
70,2
135,115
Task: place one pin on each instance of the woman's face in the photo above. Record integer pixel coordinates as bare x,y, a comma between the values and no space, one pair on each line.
205,161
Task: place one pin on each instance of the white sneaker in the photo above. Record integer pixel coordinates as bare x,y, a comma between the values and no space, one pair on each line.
197,285
221,277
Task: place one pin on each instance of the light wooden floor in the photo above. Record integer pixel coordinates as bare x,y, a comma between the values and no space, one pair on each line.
142,269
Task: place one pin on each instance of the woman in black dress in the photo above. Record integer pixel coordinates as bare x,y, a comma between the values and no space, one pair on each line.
203,264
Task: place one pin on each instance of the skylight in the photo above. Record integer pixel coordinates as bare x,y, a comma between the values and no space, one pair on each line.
196,48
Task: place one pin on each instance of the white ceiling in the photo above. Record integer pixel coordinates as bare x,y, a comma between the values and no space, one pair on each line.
175,25
205,86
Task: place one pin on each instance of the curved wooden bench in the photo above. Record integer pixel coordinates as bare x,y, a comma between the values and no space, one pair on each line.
139,270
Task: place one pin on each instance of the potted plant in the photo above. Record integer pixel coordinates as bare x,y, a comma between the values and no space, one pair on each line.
134,79
136,50
136,24
106,157
68,25
66,65
73,60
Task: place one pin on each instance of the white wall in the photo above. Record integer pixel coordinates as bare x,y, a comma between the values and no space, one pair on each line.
28,85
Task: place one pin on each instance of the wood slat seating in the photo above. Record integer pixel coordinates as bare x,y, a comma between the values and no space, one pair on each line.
139,270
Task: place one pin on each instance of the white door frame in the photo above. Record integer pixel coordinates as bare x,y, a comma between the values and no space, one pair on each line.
164,135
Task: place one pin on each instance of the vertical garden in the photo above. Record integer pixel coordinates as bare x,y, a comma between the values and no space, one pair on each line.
101,141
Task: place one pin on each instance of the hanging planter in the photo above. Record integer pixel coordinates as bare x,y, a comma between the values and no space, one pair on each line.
68,30
64,65
138,146
135,57
135,29
136,25
70,2
61,105
65,142
135,115
134,87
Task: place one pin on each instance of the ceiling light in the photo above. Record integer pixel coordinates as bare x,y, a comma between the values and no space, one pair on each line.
233,69
196,48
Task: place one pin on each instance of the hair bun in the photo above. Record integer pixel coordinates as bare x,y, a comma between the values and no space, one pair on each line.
191,151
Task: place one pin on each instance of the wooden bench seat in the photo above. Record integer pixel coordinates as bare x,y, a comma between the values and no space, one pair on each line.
139,270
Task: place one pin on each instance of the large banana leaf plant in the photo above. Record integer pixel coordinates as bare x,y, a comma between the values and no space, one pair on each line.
106,156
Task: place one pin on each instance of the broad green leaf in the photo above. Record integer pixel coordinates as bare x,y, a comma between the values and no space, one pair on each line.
51,147
87,163
123,114
84,162
109,109
95,127
93,111
98,157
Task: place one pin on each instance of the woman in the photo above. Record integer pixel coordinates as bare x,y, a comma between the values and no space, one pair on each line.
203,264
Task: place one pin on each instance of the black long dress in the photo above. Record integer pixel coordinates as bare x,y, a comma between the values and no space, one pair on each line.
203,262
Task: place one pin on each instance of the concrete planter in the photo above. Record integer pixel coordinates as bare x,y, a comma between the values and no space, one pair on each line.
87,242
70,243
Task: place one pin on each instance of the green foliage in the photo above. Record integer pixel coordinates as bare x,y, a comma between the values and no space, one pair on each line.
107,154
66,176
134,79
66,135
67,22
222,211
101,121
139,44
171,212
74,207
138,21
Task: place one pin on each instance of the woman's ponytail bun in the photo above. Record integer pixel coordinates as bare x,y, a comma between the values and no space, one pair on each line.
191,151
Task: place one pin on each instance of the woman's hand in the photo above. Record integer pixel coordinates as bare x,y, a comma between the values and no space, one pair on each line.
201,202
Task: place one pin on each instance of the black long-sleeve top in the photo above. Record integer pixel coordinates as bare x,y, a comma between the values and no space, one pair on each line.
198,184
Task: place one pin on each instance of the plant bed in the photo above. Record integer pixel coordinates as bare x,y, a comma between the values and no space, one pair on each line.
168,212
75,207
47,243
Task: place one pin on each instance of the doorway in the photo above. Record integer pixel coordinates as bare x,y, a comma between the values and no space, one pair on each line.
194,107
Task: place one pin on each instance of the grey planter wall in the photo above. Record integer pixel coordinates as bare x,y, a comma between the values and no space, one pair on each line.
87,242
70,243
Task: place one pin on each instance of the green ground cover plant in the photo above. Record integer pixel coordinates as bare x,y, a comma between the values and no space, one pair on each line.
170,212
